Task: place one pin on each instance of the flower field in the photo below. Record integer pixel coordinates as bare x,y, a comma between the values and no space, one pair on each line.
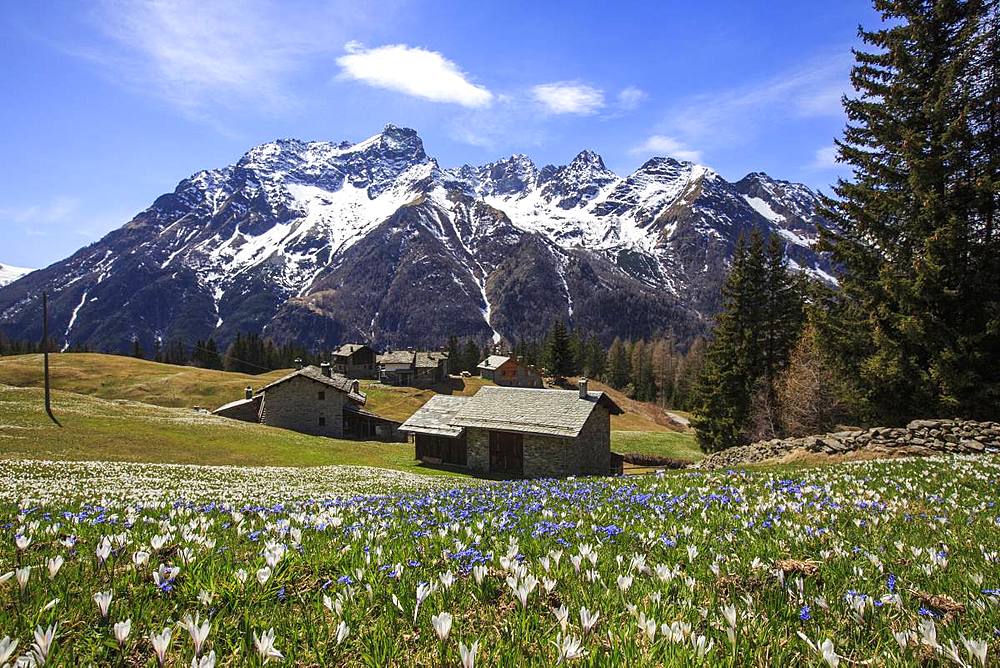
873,564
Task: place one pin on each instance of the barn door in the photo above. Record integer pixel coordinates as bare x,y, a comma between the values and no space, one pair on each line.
506,454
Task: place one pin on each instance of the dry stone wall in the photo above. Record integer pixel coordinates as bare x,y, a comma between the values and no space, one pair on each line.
919,438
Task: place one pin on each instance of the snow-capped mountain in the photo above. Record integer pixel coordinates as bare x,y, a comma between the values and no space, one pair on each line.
321,243
9,273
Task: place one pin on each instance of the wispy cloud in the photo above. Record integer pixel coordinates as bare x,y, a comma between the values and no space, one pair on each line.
412,71
37,216
734,116
197,54
631,97
667,146
569,97
825,158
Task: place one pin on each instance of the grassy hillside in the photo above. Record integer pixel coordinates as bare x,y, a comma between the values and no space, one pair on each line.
117,377
98,429
643,427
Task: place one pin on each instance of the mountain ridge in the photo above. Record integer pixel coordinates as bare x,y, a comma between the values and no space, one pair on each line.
321,242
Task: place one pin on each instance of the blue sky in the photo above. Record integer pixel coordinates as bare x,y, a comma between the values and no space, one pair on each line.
109,104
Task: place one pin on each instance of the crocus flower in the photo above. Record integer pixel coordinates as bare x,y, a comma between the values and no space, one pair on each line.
569,648
265,646
103,601
442,625
468,654
161,643
343,630
122,631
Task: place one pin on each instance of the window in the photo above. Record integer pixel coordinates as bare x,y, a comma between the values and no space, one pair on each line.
321,395
322,421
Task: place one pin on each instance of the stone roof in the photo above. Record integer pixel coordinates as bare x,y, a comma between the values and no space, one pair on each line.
335,380
234,404
348,349
430,360
397,357
492,362
531,411
435,417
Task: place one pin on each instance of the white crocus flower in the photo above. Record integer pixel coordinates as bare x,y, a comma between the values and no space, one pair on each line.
22,542
7,648
976,648
569,647
447,579
122,630
442,625
54,564
468,654
263,575
44,640
161,643
23,575
343,630
647,627
103,601
265,646
588,619
562,616
197,630
242,576
207,661
103,550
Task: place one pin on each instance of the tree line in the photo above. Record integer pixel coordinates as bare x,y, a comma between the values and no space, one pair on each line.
913,329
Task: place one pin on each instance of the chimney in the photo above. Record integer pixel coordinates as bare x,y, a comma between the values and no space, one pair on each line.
325,369
249,392
298,363
582,384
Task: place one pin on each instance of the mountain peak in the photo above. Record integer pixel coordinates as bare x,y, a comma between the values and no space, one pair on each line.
590,159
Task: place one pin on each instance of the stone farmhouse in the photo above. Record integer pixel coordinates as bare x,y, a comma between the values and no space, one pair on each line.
412,368
313,400
508,372
355,360
514,432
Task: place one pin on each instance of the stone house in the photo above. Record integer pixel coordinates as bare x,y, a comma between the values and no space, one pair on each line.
430,368
397,367
312,400
508,372
355,360
518,432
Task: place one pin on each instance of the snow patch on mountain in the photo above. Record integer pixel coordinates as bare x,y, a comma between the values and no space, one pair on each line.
9,273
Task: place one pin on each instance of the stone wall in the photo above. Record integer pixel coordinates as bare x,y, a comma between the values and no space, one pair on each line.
295,405
920,438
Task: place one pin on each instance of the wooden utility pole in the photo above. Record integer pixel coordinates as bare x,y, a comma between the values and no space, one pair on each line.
45,356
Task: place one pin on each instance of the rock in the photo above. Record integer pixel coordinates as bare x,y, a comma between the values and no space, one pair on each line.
923,424
971,445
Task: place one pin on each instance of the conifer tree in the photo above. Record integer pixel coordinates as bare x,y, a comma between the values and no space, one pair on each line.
917,320
558,355
618,364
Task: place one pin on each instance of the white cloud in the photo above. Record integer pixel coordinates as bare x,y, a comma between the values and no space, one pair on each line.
631,97
825,158
567,97
666,146
227,53
412,71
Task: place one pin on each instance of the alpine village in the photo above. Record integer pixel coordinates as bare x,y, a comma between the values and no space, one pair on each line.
387,401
